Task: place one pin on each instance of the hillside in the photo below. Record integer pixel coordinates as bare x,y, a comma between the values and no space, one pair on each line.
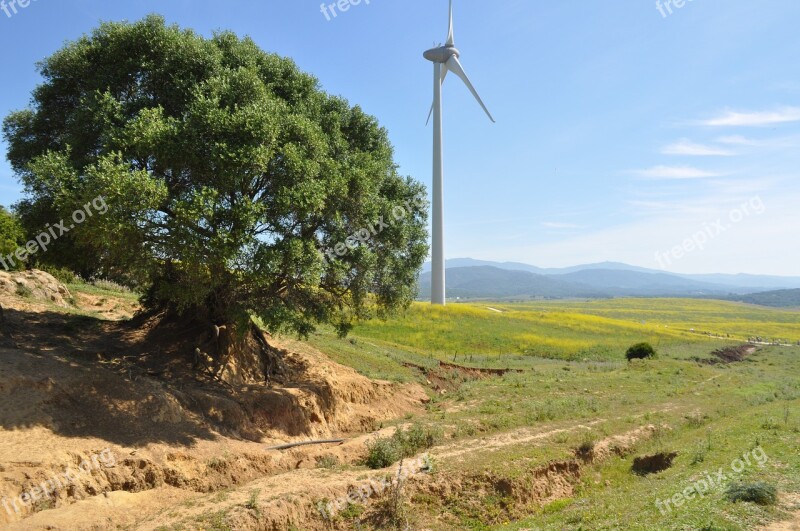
488,282
500,439
590,280
641,284
485,282
78,383
785,298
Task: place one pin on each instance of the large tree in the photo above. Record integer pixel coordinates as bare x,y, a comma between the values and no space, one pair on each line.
235,186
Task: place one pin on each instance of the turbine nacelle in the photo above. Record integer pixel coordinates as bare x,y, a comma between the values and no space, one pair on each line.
442,54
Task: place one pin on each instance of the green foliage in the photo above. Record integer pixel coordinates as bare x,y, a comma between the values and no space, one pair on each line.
229,178
784,298
62,274
416,438
384,451
24,291
11,236
640,351
759,492
252,503
110,285
327,461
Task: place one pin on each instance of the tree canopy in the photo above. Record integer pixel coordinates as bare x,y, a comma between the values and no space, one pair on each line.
12,237
234,184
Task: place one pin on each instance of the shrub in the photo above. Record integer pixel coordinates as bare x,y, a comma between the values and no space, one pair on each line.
327,461
385,451
640,351
62,274
110,285
417,438
382,452
24,291
759,493
586,449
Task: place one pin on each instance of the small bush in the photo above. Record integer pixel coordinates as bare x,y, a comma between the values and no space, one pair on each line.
252,502
109,285
382,452
759,493
417,438
640,351
585,450
385,451
24,291
327,461
63,275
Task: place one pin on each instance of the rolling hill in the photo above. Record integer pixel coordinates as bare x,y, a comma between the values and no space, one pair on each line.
479,279
784,298
485,282
468,278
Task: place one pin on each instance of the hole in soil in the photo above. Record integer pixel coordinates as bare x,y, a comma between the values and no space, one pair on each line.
652,464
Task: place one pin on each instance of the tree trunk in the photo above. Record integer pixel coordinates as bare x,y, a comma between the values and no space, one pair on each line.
238,357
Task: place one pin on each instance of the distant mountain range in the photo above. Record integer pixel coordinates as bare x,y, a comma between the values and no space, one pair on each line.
478,279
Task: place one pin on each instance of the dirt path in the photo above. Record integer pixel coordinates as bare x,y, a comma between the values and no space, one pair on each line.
792,503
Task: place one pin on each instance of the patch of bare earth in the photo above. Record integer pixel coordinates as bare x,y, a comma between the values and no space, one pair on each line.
732,354
789,502
72,387
293,498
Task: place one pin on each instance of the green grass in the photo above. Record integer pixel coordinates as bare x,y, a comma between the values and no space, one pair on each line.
576,385
99,290
589,330
594,330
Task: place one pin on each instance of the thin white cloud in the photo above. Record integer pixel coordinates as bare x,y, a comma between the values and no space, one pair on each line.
689,148
754,119
736,140
786,142
557,225
676,172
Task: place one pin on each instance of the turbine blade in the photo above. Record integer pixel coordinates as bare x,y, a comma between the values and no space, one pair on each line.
444,75
450,39
455,65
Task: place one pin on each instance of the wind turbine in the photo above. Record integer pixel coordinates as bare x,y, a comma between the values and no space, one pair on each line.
444,59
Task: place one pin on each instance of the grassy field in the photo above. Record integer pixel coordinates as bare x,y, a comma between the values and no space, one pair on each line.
502,334
574,387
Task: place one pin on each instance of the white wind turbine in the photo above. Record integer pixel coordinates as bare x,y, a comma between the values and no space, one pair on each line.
444,59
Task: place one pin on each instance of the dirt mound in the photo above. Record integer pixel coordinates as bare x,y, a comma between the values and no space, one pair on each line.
36,285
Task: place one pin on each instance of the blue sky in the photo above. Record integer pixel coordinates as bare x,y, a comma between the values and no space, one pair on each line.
621,132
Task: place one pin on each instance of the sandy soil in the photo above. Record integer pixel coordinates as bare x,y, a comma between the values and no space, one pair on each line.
75,387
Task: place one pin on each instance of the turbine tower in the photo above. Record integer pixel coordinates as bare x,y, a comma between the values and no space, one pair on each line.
444,59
